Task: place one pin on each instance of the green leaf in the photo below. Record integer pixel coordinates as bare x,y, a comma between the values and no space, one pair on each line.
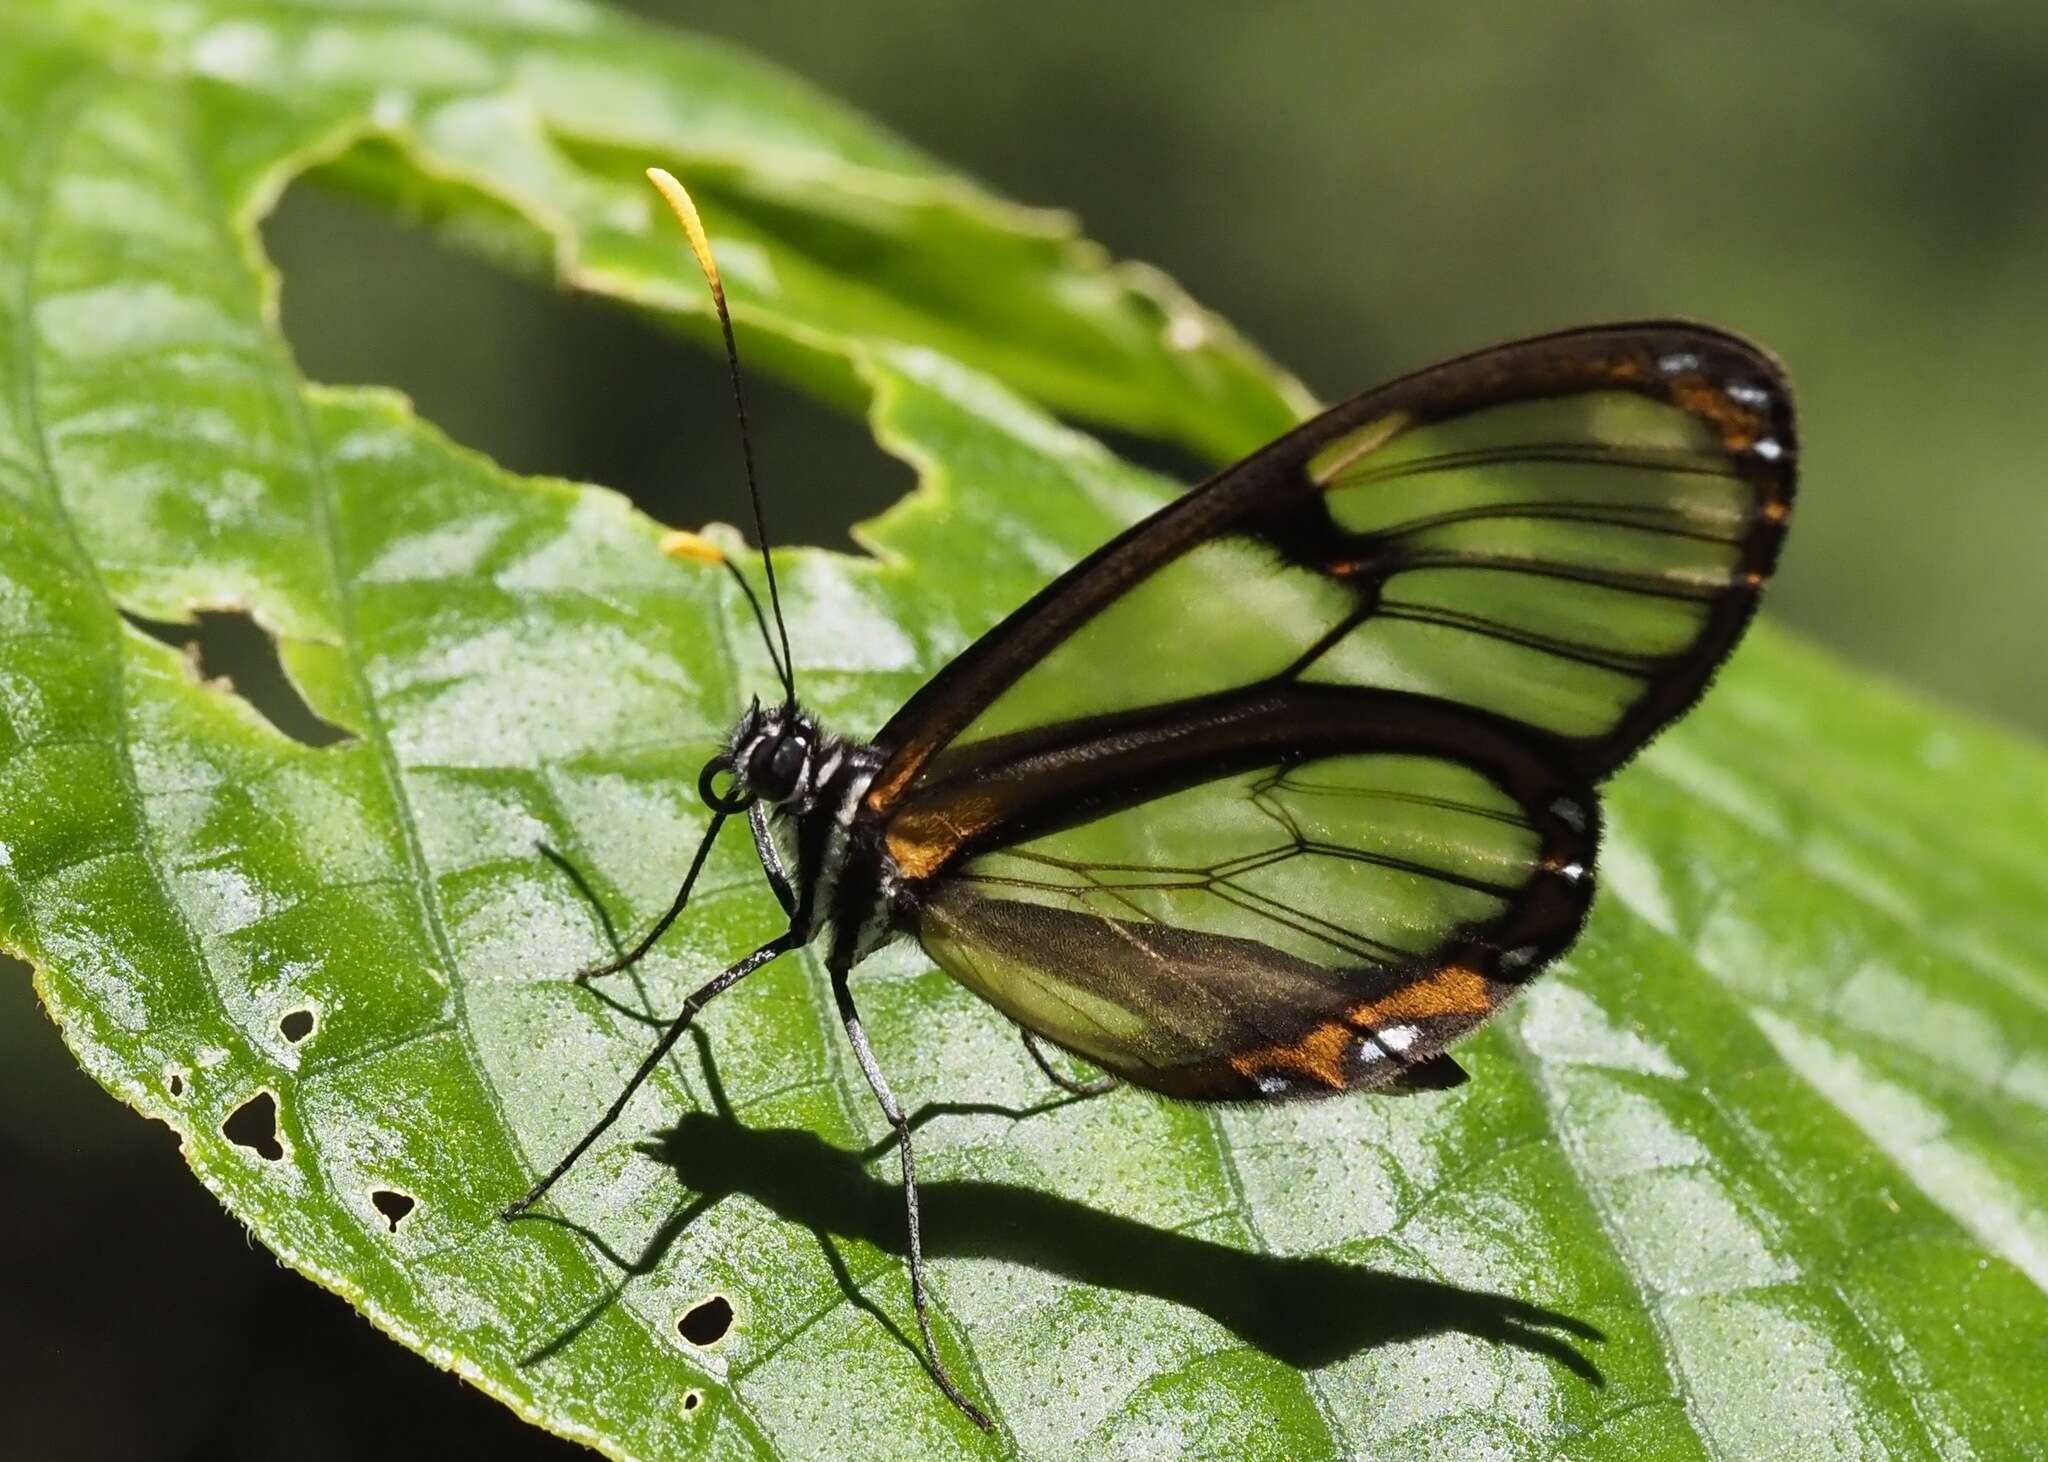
1757,1172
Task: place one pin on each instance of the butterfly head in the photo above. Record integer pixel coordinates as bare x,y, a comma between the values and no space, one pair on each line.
772,753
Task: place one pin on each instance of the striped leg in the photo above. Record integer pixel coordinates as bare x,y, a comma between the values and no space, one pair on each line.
865,1054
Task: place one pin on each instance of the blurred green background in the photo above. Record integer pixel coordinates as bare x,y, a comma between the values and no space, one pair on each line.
1363,189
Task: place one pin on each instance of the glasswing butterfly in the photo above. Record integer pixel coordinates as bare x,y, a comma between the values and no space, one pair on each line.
1290,785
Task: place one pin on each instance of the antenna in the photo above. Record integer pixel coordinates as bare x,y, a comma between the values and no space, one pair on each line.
678,199
682,543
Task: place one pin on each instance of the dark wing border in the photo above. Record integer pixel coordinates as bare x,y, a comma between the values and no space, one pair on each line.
1733,386
1034,783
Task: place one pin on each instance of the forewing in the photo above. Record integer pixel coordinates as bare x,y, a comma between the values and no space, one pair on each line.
1570,532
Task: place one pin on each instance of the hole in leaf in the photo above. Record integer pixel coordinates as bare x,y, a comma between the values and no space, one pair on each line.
254,1125
549,381
707,1321
692,1400
393,1204
230,651
175,1083
295,1025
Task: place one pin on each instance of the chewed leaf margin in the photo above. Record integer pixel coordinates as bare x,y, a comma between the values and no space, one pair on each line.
1770,1132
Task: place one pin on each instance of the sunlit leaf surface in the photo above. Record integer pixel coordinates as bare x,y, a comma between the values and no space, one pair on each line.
1757,1172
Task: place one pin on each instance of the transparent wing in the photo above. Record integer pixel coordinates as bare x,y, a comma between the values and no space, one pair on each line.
1292,930
1293,783
1570,532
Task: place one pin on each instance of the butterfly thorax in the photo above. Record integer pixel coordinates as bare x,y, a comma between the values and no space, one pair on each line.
806,786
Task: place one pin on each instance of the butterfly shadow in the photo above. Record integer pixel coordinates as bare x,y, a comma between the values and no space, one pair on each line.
1304,1310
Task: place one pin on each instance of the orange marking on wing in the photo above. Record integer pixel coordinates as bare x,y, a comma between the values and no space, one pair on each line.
920,846
897,775
1625,369
922,841
1452,990
1737,424
1319,1055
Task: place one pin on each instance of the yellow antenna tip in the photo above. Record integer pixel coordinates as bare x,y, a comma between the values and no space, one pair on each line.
679,202
682,543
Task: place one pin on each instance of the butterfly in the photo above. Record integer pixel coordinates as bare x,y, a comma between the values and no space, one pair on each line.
1292,784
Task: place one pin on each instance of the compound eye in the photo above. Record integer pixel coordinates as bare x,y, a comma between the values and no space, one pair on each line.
788,763
774,766
760,764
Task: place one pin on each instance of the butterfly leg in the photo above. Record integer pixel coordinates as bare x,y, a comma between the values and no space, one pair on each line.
1059,1078
697,1000
634,955
771,858
872,1069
